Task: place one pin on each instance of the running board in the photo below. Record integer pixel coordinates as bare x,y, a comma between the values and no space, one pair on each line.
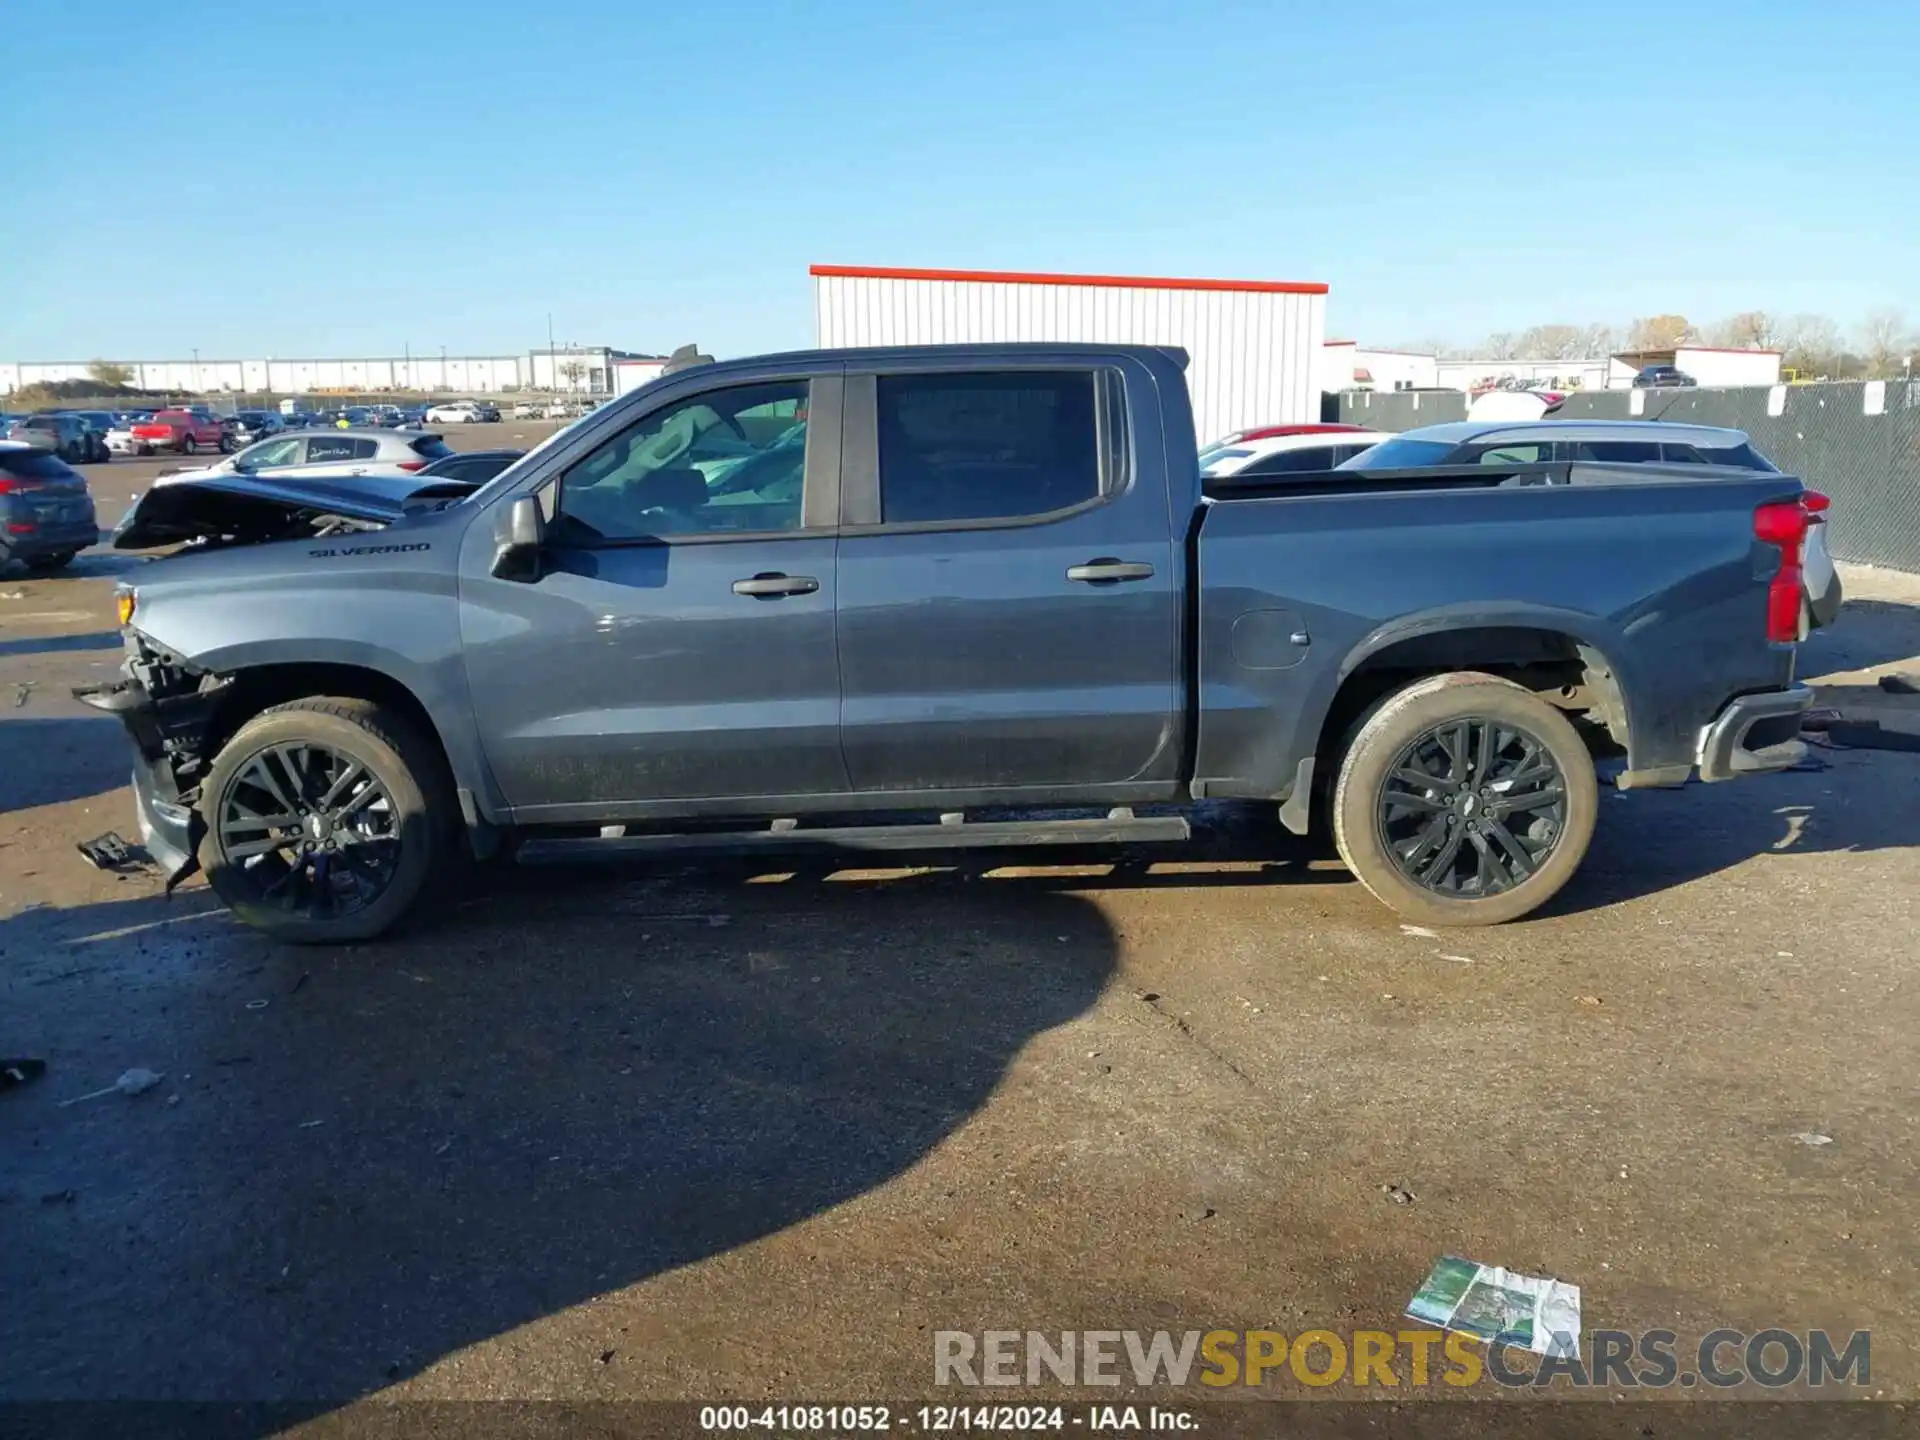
1121,826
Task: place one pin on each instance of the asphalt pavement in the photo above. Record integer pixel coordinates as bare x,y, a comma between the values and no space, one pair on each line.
746,1131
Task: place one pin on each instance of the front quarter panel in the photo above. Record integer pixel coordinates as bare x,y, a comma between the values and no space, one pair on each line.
383,600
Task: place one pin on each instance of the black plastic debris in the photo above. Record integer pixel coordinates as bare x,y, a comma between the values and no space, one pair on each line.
110,852
1900,685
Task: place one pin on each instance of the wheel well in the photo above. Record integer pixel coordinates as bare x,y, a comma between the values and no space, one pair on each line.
1560,668
264,686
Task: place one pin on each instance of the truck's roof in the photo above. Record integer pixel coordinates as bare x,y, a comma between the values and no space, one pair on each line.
1011,350
1456,432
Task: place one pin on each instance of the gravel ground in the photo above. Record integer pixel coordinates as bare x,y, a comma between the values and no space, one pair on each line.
739,1132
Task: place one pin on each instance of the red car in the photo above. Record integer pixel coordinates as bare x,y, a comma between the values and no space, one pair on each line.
186,431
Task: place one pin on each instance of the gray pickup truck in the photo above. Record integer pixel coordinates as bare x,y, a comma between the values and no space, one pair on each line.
879,599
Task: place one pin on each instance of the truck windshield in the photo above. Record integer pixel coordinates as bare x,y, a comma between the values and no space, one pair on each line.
1400,453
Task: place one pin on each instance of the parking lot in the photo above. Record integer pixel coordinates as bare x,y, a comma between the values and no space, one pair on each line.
746,1131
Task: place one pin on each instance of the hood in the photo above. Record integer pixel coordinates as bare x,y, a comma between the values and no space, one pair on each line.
242,510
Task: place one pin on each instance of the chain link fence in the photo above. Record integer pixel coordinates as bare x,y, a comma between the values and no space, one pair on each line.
1857,442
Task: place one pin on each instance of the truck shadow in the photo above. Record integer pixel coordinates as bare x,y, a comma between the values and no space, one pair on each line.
563,1086
53,760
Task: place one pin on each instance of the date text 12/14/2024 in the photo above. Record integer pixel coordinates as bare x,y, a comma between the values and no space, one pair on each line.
943,1419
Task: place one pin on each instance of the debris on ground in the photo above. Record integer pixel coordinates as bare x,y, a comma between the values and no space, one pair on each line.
1398,1194
1807,764
110,852
60,1197
304,977
136,1081
1458,959
1591,1001
1813,1139
1818,720
1900,685
1500,1306
13,594
21,692
1420,931
256,1004
19,1072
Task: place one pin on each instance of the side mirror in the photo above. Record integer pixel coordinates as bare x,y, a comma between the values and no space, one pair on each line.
517,541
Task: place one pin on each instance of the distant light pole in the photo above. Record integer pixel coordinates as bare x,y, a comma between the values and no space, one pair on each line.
196,369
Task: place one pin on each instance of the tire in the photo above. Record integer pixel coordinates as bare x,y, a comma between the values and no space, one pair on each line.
1401,737
189,445
47,564
421,813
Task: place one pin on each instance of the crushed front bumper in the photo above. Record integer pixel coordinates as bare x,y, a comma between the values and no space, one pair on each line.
165,734
1755,734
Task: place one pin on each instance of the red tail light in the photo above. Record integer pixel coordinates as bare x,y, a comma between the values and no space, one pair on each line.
21,527
412,465
9,485
1784,523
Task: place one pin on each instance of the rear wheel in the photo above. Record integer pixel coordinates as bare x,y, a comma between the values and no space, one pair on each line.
189,445
1465,800
325,820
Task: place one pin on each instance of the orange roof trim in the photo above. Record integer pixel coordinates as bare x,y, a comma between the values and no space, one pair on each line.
1025,277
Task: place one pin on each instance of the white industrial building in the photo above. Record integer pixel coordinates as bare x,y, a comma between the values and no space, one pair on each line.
1353,366
582,369
1255,346
1707,364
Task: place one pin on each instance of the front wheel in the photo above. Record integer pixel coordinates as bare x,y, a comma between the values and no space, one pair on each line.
325,819
1465,800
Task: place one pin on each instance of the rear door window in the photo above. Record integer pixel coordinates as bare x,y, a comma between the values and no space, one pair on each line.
986,446
337,447
1618,452
35,466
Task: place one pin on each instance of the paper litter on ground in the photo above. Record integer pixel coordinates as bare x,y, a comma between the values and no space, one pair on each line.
1499,1306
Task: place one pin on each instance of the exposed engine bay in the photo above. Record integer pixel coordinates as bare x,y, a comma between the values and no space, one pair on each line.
239,510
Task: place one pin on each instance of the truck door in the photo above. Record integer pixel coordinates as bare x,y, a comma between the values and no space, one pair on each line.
678,644
1009,612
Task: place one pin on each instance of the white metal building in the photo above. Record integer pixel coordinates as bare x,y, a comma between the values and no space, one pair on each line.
1353,366
1707,364
1255,345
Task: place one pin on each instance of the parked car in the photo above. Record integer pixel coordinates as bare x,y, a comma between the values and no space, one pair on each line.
46,511
412,416
486,412
66,436
453,412
345,453
1431,665
99,422
120,437
1283,450
475,467
1613,442
1662,377
529,409
249,426
185,431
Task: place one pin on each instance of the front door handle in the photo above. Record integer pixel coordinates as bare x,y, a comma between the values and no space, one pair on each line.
771,585
1106,571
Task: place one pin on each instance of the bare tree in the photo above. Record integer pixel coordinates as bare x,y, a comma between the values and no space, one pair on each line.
1885,340
572,371
1813,347
1500,345
1550,342
1599,340
1658,332
1750,329
110,373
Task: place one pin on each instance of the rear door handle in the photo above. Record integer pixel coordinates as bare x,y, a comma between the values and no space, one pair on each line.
772,585
1106,570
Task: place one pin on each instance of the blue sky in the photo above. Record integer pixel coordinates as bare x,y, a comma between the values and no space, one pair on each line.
267,180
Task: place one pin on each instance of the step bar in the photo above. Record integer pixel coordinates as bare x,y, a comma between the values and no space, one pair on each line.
953,832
